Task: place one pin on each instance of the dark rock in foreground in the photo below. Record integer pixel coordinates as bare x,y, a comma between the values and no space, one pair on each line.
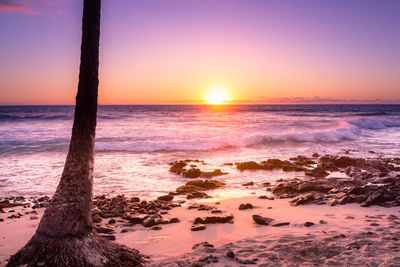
198,227
246,206
308,224
280,224
262,220
226,218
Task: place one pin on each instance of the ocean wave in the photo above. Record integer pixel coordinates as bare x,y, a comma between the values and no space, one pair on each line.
6,117
321,136
376,124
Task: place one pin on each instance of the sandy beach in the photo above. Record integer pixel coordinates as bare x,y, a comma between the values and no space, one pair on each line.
345,234
318,220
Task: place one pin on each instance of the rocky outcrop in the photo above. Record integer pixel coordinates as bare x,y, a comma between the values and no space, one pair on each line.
270,164
194,189
182,168
226,218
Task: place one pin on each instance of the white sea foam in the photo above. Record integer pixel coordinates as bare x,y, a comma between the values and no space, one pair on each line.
376,124
136,143
264,139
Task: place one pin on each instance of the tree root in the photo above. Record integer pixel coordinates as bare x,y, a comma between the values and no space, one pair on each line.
91,250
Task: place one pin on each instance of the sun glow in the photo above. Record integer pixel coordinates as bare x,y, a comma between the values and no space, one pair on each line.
217,96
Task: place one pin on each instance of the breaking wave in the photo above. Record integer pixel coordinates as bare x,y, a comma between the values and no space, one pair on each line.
376,124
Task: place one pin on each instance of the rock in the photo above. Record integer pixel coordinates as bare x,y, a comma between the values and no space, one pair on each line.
166,198
374,198
226,218
202,244
323,222
135,219
283,188
134,199
248,184
249,165
111,221
7,204
262,220
316,172
270,164
358,173
206,259
197,195
34,217
178,167
149,222
200,185
247,261
105,229
192,173
216,172
315,155
280,224
308,224
15,216
174,220
266,197
345,161
246,206
1,220
156,228
230,254
198,227
306,199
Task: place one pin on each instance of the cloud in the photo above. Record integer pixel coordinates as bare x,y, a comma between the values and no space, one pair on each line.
314,100
16,7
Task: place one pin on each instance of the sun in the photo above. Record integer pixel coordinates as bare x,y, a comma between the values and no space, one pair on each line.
217,96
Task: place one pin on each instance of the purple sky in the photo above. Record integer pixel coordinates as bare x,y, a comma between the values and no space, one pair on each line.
170,51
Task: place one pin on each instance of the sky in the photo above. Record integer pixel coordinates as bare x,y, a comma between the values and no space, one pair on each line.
177,51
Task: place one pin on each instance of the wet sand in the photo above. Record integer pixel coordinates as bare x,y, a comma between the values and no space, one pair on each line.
363,235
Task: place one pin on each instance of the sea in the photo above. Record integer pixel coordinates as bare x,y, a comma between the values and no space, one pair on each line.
136,144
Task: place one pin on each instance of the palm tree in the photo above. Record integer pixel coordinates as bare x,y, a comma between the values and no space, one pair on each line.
65,235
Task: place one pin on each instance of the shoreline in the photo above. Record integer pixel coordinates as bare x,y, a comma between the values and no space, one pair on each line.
321,220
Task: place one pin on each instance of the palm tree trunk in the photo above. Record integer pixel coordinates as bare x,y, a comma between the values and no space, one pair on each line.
65,235
69,212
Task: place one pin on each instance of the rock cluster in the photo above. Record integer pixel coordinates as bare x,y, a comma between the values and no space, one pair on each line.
182,167
199,223
194,189
131,209
271,164
370,182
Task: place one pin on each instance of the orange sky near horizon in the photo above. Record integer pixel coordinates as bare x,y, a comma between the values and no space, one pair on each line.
158,53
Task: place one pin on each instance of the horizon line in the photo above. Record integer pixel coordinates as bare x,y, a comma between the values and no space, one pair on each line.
263,104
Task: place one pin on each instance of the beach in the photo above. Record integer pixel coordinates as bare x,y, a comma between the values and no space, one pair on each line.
320,220
270,185
349,235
